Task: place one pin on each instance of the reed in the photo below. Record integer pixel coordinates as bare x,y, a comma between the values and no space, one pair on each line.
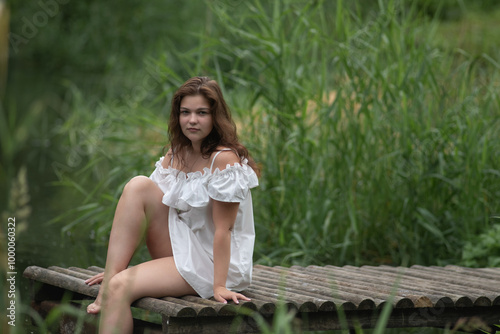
376,146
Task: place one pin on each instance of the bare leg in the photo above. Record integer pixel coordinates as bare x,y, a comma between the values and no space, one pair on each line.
139,210
156,278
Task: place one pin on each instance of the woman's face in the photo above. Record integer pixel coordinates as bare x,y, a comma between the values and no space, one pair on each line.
195,118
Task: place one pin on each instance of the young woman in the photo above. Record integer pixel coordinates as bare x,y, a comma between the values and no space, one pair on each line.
195,211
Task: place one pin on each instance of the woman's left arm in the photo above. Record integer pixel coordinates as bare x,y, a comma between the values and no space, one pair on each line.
224,216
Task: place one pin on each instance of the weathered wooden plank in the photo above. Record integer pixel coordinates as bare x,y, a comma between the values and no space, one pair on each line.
493,271
465,286
418,290
324,302
69,272
71,283
60,280
304,303
362,302
87,272
344,280
216,306
272,297
260,306
459,281
459,300
96,269
200,309
389,279
488,273
464,292
422,296
294,281
294,292
405,286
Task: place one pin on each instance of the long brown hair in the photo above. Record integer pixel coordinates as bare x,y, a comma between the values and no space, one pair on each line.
224,129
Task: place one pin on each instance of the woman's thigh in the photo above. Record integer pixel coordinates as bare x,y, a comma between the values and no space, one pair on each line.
155,278
157,233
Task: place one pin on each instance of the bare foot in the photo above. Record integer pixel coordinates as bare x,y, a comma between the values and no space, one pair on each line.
94,308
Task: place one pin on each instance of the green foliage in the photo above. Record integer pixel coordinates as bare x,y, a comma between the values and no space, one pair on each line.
374,143
105,145
94,37
483,250
14,134
473,35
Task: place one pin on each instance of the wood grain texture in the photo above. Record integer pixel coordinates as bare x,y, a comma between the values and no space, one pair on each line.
419,296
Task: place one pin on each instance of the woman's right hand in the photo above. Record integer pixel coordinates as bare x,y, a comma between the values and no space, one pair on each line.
97,279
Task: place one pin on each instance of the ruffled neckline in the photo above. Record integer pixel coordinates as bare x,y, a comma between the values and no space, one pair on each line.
177,172
194,189
206,172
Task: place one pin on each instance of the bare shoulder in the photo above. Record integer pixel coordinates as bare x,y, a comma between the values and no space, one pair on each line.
224,158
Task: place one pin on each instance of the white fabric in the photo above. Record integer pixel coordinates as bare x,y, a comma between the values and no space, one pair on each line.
190,198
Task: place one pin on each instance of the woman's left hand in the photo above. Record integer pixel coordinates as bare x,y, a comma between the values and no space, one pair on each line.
221,294
97,279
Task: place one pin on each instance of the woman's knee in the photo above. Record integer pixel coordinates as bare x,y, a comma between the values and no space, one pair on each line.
138,184
116,289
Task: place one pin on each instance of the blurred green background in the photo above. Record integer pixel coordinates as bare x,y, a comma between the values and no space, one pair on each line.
375,122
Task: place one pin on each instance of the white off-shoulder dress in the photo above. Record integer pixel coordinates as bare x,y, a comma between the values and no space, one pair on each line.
190,198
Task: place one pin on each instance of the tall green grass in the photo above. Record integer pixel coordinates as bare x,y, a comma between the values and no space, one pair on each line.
375,146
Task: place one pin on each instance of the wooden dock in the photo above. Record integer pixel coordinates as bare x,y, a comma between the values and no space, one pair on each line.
322,298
